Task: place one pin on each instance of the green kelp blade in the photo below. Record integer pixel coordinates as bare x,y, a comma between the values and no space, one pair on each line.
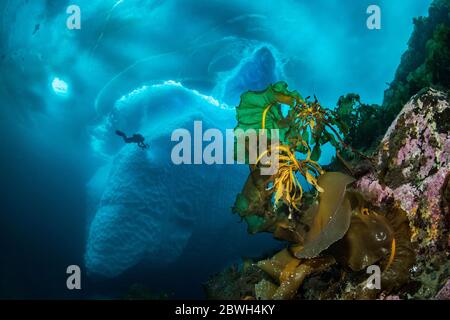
251,113
256,224
253,204
315,154
332,217
252,200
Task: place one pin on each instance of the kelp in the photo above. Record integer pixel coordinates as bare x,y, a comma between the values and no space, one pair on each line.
337,224
362,121
369,239
277,263
254,204
302,131
289,272
395,264
290,230
254,198
289,285
331,216
348,231
397,273
262,109
264,290
286,185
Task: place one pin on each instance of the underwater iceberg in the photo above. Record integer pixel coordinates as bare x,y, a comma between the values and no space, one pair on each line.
150,206
146,209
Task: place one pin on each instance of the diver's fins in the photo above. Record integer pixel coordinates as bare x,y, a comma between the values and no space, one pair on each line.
121,134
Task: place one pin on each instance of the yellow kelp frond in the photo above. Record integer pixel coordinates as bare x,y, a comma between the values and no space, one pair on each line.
311,113
289,270
392,256
285,183
264,115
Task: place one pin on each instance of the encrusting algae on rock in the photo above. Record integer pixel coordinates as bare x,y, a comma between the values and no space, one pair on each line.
412,169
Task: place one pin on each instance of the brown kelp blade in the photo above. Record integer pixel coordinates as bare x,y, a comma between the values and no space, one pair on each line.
367,241
332,217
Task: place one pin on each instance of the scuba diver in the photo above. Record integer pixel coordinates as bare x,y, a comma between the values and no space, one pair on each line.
135,138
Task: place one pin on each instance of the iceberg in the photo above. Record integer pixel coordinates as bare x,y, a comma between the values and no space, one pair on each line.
143,208
150,209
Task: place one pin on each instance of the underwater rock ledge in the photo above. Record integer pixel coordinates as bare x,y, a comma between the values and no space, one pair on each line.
412,169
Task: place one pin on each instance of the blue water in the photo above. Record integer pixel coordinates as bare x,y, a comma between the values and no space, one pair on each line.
58,87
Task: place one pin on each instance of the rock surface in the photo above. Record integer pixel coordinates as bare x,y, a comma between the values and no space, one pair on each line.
444,293
412,169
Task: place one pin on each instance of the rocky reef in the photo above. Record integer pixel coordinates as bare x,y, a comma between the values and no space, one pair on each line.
412,169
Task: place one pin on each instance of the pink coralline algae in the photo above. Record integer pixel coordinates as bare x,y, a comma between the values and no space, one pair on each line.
373,190
445,155
411,147
389,297
413,167
406,195
444,293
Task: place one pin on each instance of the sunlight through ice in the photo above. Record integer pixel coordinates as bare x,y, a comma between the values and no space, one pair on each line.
59,86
